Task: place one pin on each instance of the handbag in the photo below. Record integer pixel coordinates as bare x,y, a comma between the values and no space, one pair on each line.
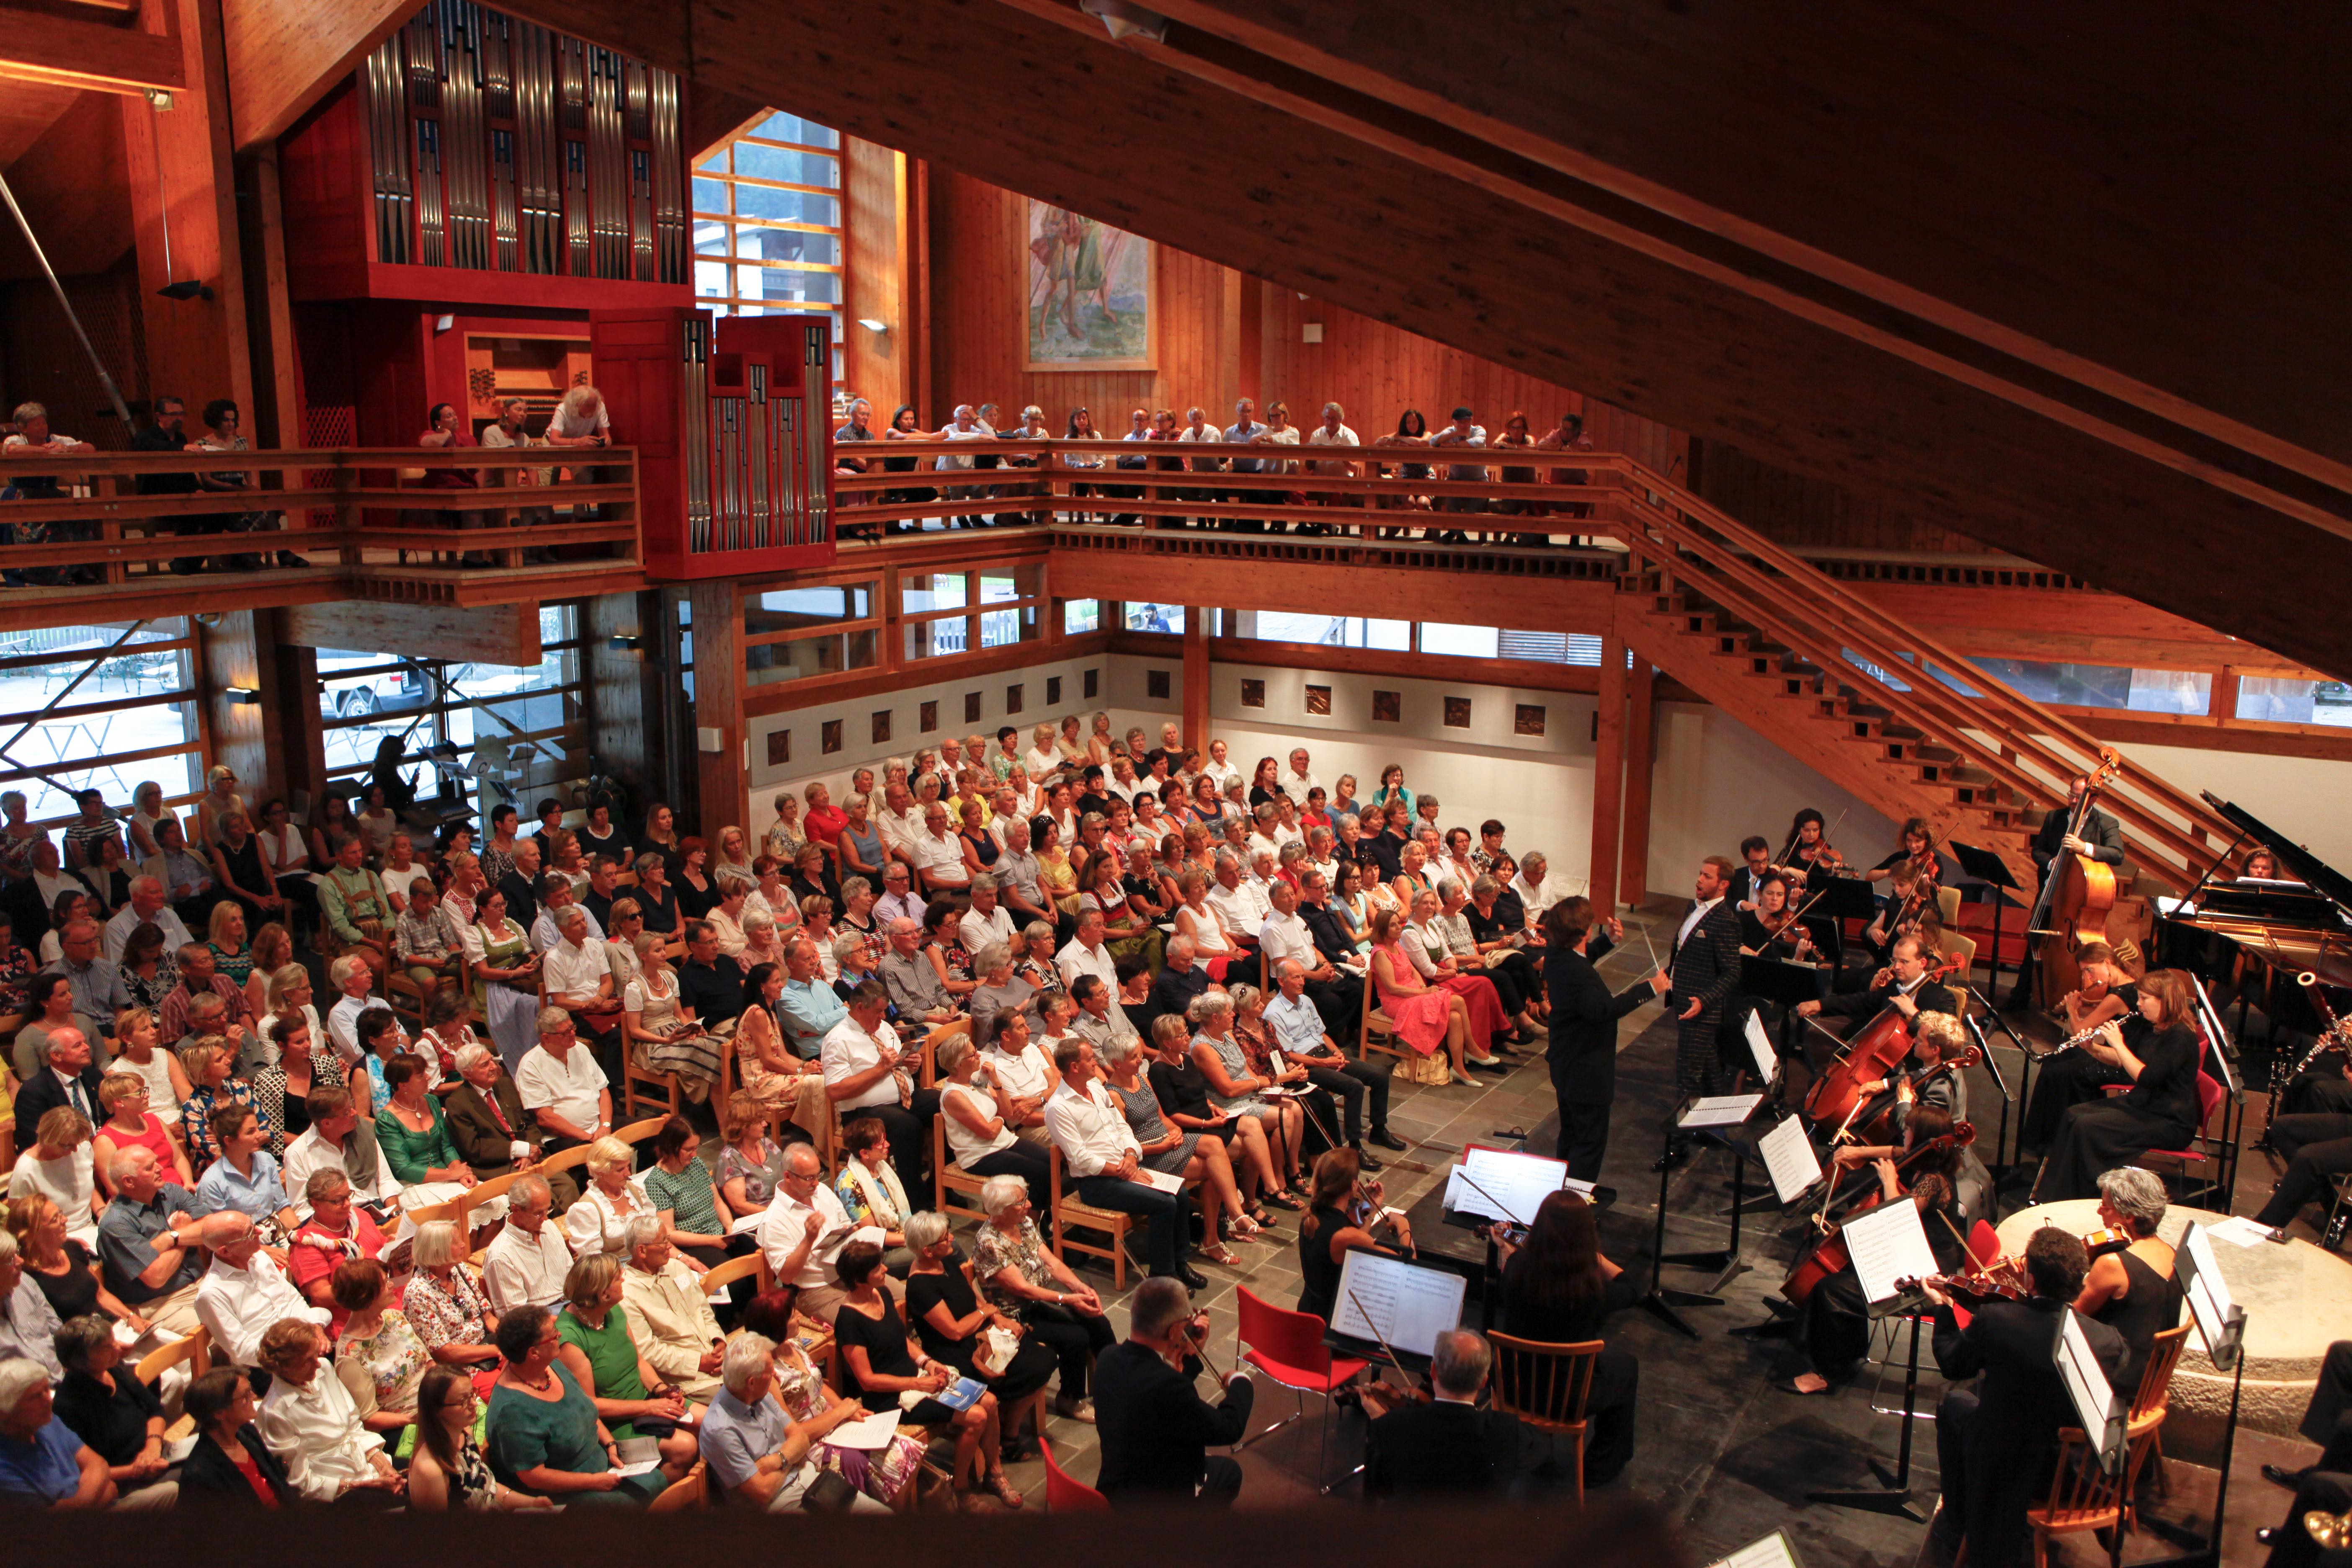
828,1494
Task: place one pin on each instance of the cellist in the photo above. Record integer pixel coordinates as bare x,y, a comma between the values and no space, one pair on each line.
1902,985
1832,1327
1935,1039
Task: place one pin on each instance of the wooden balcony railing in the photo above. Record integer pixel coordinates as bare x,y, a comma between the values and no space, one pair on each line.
358,520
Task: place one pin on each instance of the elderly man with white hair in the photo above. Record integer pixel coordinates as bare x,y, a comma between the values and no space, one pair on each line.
988,920
526,1260
669,1318
938,854
150,902
579,979
1535,887
1088,954
757,1456
354,981
244,1293
148,1243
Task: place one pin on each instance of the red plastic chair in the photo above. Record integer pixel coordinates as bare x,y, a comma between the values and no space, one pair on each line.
1984,1243
1063,1495
1288,1348
2209,1099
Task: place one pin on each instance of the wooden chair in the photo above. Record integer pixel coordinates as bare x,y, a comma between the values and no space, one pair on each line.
455,1210
2084,1499
1071,1214
1063,1495
2154,1398
196,1350
752,1266
1376,1027
690,1490
1547,1386
948,1180
639,1132
671,1097
570,1159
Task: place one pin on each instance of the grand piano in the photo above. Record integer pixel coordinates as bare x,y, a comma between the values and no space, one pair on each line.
2302,927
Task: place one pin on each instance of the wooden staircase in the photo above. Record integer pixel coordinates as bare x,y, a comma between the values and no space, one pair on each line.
1889,714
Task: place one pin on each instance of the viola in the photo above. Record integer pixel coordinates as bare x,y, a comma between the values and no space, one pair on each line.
1829,1256
2099,1243
2002,1279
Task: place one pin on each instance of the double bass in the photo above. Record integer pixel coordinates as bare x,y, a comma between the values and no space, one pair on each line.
2078,891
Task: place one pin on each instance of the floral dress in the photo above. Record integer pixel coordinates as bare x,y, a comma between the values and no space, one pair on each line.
395,1359
760,1177
196,1119
993,1252
448,1312
879,1473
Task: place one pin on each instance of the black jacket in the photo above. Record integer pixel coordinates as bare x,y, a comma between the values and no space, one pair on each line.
1422,1451
1332,938
209,1477
522,900
1865,1004
2099,831
1706,967
1584,1021
42,1093
1154,1426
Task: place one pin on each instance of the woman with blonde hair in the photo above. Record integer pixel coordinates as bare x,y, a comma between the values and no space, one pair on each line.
59,1167
733,853
138,1044
272,949
601,1354
609,1199
130,1124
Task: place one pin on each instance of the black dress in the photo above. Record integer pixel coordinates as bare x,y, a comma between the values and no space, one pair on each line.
2151,1306
884,1340
246,869
1319,1277
660,909
2078,1078
1616,1376
1033,1364
2160,1112
1184,1091
693,903
73,1293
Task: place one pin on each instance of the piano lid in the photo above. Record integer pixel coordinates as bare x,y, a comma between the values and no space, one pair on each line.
2323,877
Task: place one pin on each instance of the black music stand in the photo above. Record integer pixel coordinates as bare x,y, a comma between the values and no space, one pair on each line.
1993,871
1662,1299
1893,1495
1844,898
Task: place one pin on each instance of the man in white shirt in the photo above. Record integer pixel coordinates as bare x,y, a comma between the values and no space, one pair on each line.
337,1142
243,1292
1465,431
1283,934
150,902
1087,953
964,427
986,921
1300,778
1241,902
1535,887
897,820
1332,432
561,1086
803,1230
350,975
527,1259
1103,1156
938,854
862,1060
579,977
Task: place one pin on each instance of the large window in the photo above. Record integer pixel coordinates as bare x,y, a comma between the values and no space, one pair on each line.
2106,685
793,634
768,223
523,725
1321,631
2278,699
99,707
962,612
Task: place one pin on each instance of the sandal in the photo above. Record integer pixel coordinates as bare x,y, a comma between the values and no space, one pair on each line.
1284,1201
1243,1230
1260,1219
1006,1492
1218,1252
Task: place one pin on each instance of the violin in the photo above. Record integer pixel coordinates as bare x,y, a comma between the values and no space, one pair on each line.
2099,1243
2002,1279
1829,1256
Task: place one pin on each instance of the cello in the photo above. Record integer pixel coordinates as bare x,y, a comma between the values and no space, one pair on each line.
2078,891
1872,1052
1829,1256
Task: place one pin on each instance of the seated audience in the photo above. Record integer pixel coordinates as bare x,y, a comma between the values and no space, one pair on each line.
446,1304
757,1454
881,1474
880,1366
43,1462
612,1196
309,1421
601,1352
544,1437
448,1470
526,1261
669,1317
59,1168
149,1246
378,1356
117,1416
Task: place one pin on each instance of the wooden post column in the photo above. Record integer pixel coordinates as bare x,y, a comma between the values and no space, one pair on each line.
1641,747
1608,772
1196,677
724,790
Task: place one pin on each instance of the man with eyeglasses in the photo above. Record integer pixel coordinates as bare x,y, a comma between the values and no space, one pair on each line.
562,1085
803,1231
898,901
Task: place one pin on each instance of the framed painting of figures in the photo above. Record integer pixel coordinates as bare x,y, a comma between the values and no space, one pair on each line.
1089,292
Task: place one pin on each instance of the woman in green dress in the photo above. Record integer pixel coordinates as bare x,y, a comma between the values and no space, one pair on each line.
506,978
543,1436
415,1142
630,1397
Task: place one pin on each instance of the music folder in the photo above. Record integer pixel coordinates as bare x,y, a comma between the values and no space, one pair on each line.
2097,1406
1790,1160
1502,1184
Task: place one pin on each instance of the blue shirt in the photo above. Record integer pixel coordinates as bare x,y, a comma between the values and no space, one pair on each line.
1235,435
127,1232
808,1011
257,1195
1297,1027
736,1436
43,1470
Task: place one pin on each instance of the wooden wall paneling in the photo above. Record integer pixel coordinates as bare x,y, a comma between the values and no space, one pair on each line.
241,734
623,684
1803,511
722,780
1196,676
1641,751
70,182
874,181
178,167
269,313
283,58
1608,772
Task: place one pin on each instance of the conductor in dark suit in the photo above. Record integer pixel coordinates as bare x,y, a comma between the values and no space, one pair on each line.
486,1121
1155,1428
1996,1442
1448,1447
1705,967
66,1078
1582,1051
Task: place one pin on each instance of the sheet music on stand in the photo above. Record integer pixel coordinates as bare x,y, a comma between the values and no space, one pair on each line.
1775,1551
1759,1046
1719,1111
2097,1406
2220,1321
1410,1303
2217,1042
1488,1180
1888,1244
1790,1160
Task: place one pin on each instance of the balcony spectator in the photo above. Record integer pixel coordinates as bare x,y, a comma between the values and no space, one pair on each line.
444,428
32,441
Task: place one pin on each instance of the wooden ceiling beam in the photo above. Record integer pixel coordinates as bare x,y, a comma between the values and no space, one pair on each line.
35,45
283,58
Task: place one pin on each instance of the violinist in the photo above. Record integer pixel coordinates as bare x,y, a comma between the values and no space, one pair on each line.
1769,927
1923,1091
2157,1050
1902,985
2132,1290
1994,1443
1343,1211
1559,1287
2105,995
1832,1328
1914,907
1813,863
1918,853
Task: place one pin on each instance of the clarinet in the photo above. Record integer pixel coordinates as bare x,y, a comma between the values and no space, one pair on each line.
2073,1041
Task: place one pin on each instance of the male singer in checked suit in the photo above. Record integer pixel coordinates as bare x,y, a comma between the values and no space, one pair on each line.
1705,964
